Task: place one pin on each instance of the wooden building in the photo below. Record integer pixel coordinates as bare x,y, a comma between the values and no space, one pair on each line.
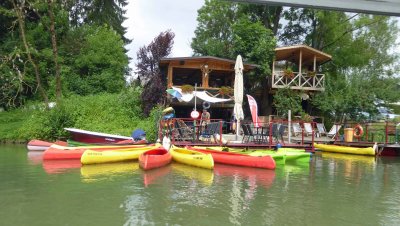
209,74
212,73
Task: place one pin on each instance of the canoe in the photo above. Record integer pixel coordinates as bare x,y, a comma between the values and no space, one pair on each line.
56,152
345,150
95,137
101,147
96,157
73,143
38,145
191,157
237,159
154,158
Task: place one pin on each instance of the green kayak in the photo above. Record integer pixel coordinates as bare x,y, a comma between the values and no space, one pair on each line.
281,156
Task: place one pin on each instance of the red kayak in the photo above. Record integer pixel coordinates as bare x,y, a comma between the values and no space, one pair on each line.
154,158
59,152
265,162
40,145
91,137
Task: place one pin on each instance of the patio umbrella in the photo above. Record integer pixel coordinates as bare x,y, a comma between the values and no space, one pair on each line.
174,93
238,92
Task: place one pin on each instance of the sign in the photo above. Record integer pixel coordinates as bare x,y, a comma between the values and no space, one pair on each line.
254,110
194,114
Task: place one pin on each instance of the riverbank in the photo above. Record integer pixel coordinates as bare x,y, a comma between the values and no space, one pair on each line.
109,113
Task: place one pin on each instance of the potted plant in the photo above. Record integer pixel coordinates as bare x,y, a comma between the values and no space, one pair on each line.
225,90
187,89
288,73
306,117
311,73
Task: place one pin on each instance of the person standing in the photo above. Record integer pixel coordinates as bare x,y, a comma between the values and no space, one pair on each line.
205,119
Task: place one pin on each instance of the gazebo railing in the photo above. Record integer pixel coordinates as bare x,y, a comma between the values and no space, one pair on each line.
301,81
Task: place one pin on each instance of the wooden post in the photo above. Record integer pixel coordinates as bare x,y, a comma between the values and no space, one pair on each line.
300,63
273,72
169,76
315,63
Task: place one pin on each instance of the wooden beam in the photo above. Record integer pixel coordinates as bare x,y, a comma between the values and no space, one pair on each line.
169,76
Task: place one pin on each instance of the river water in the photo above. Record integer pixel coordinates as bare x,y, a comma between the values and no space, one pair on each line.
332,189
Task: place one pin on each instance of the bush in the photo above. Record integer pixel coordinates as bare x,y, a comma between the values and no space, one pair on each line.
109,113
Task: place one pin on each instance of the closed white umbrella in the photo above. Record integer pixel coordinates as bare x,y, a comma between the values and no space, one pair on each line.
238,93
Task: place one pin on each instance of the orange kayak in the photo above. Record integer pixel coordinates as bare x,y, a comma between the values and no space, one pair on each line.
154,158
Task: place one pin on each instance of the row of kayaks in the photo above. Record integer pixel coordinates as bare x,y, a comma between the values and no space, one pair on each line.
154,156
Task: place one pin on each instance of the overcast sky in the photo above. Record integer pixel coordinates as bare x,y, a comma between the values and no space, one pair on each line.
147,18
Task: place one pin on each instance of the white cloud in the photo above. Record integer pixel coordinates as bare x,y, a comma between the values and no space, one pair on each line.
147,18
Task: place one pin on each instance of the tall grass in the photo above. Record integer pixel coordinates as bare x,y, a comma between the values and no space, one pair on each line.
109,113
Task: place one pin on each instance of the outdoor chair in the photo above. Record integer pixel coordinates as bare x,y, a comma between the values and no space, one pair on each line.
308,130
279,131
183,131
254,133
321,129
248,134
296,129
210,131
334,130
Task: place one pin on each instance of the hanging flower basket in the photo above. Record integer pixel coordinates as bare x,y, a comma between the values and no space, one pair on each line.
288,73
187,89
311,73
225,90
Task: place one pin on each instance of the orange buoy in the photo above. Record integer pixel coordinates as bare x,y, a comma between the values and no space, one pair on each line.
358,131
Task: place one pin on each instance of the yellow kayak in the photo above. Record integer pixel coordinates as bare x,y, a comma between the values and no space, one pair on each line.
345,150
95,157
193,158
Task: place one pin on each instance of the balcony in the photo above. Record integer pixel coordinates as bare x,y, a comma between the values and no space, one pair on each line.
301,81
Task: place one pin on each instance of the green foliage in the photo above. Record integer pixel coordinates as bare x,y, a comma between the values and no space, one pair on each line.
287,99
98,65
255,43
213,35
110,113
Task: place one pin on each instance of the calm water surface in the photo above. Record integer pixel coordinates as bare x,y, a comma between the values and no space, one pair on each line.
331,189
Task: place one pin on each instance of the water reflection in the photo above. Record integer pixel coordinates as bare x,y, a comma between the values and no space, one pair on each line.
35,157
196,174
255,177
151,176
98,172
60,166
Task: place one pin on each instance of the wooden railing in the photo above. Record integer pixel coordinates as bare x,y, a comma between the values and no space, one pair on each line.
299,81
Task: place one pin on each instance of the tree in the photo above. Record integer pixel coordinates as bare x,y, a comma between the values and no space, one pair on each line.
148,58
19,12
55,50
97,61
227,29
99,12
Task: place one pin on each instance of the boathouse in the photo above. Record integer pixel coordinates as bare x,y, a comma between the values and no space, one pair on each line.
296,67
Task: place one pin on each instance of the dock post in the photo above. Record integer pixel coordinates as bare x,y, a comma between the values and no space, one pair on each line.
289,126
